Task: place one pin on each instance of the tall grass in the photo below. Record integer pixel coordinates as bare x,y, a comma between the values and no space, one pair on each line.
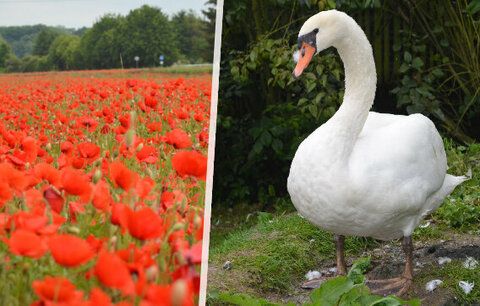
455,34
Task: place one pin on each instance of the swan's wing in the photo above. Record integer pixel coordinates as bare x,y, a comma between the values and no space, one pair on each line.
398,162
376,121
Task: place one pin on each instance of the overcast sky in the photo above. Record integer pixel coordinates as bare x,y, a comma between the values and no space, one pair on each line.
80,13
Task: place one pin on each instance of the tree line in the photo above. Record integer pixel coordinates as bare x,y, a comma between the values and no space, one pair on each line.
114,41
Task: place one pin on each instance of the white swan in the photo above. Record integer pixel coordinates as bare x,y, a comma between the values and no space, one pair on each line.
364,173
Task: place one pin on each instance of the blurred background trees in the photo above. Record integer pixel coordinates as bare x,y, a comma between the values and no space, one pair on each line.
112,42
427,59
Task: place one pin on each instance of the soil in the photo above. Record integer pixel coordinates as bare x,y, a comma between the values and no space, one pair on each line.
387,262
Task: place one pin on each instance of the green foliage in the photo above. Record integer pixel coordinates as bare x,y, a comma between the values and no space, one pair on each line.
417,89
192,37
347,290
100,45
63,54
44,40
276,113
142,37
454,33
5,52
22,38
114,41
462,209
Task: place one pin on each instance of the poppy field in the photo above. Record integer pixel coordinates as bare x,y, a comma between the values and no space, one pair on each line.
102,183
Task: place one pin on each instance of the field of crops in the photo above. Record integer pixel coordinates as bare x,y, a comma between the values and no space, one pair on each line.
102,201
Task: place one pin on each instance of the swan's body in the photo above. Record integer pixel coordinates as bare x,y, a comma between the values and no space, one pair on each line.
364,173
395,175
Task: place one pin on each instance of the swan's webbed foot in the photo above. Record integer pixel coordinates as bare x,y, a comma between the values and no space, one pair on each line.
397,286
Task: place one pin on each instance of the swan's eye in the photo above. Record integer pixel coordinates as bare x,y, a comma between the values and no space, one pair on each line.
315,31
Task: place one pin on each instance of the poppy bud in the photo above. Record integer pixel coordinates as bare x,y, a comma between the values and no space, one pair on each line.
149,172
140,147
179,291
130,137
178,226
48,146
113,242
151,273
133,118
97,176
197,221
73,230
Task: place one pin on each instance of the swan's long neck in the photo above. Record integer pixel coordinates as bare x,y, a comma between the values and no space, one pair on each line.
360,84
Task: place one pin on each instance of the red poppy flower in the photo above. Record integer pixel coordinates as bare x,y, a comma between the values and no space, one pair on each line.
179,139
190,163
26,243
55,289
44,171
75,182
145,224
29,146
99,298
122,176
54,199
88,150
101,196
113,272
148,154
69,250
194,254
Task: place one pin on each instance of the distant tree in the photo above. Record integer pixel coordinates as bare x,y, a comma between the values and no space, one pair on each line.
101,46
191,35
33,63
148,33
44,40
5,52
210,14
63,53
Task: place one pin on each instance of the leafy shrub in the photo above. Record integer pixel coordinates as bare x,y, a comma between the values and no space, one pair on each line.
278,112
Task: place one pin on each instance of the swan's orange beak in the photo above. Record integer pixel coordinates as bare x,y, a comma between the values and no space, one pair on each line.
306,54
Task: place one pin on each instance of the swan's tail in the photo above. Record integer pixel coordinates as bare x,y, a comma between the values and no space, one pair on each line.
449,184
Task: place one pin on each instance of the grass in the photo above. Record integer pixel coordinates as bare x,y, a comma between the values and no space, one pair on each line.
271,252
279,250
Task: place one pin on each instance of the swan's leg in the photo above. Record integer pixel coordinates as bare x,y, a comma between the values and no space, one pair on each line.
341,266
340,247
398,285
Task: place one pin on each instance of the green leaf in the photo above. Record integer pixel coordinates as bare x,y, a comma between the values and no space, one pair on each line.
357,270
265,139
331,291
417,63
353,296
331,4
403,68
407,57
243,299
473,7
311,86
277,146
